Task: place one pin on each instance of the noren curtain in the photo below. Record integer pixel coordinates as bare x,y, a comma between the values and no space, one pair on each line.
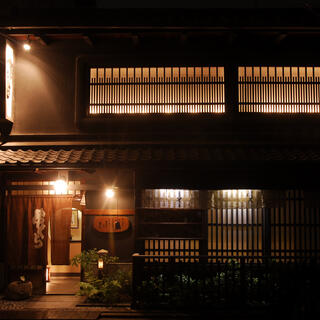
27,227
60,236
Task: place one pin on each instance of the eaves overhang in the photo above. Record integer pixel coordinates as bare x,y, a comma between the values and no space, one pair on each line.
156,155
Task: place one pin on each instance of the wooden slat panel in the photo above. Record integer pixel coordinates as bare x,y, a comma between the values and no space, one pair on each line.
157,90
279,89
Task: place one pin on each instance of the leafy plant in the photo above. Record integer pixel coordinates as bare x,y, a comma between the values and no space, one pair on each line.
109,288
226,284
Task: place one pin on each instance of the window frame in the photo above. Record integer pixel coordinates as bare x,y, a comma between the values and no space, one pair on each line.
82,90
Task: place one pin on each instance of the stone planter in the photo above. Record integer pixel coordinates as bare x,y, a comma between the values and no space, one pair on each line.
34,273
18,290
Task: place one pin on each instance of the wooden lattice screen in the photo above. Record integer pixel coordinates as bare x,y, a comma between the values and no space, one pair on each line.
281,223
279,89
294,225
156,90
235,223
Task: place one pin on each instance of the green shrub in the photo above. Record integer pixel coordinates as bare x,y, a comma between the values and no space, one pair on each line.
108,288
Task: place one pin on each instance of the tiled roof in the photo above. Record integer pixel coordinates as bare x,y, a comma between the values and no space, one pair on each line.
37,156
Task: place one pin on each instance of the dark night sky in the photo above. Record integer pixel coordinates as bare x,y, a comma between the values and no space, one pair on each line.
211,3
166,3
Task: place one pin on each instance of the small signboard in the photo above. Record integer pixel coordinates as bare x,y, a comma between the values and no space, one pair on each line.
109,224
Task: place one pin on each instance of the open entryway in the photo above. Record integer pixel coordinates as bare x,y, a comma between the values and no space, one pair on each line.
61,276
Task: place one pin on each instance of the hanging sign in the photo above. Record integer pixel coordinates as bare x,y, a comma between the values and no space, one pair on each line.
9,82
109,224
38,221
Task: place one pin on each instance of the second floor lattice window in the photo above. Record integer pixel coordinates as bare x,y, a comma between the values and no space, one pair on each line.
279,89
156,90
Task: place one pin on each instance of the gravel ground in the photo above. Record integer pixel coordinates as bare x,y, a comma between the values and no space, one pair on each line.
11,305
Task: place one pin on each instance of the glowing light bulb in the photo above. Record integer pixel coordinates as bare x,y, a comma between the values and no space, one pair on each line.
27,47
109,193
60,186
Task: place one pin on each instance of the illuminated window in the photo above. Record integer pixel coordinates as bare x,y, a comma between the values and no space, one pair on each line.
279,89
170,198
156,90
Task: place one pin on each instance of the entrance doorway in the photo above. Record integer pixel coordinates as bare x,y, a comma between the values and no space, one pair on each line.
64,278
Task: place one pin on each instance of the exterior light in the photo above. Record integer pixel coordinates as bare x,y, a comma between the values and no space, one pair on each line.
47,274
101,253
60,186
109,193
27,46
100,263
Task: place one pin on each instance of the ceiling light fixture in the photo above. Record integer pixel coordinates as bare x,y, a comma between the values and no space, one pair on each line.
27,45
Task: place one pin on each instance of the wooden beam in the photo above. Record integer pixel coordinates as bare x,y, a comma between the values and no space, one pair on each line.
109,212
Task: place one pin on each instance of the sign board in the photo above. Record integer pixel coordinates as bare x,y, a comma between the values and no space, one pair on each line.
109,224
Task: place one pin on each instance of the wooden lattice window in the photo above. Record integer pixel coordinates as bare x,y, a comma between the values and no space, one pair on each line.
41,187
235,223
279,89
170,198
294,224
156,90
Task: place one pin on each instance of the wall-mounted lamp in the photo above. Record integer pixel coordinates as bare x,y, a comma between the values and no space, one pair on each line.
47,274
109,193
27,44
60,186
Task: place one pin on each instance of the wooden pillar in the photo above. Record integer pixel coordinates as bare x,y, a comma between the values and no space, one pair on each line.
231,88
2,77
266,245
203,247
138,243
3,232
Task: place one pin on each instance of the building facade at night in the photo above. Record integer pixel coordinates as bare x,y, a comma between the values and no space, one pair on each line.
204,123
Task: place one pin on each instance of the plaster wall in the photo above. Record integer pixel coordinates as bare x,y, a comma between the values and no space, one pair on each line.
44,89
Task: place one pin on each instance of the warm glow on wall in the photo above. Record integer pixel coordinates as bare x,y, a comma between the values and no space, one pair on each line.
9,82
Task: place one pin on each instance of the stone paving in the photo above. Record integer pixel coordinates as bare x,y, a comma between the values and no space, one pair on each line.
61,302
11,305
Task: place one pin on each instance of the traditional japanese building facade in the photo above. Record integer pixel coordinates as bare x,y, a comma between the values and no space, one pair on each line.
204,123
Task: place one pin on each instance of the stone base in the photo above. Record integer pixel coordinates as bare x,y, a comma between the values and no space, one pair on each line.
35,274
18,290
